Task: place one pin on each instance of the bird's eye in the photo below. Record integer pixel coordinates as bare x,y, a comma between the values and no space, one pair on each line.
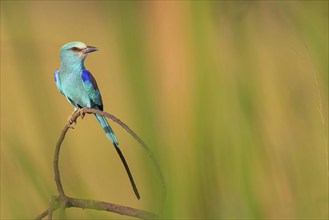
75,49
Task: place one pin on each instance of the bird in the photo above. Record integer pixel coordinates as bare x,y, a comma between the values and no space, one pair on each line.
80,89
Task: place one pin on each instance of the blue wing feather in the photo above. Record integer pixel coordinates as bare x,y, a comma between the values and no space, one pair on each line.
57,81
90,85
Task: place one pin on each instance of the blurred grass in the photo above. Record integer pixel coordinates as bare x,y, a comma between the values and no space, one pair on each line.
232,97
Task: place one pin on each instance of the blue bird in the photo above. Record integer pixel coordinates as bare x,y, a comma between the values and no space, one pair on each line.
79,87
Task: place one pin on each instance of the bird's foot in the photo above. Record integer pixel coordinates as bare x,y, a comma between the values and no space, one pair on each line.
70,125
82,113
70,122
75,114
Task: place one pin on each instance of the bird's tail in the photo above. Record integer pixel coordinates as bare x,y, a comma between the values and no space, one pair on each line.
111,136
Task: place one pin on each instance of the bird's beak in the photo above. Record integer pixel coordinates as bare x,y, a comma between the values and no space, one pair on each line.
89,49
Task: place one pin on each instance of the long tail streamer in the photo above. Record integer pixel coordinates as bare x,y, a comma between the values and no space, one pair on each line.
111,136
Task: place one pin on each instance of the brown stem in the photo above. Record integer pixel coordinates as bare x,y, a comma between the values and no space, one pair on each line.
137,138
99,205
56,159
62,201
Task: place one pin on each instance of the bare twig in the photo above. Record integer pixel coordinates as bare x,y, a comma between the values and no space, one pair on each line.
100,205
137,138
62,201
56,158
42,214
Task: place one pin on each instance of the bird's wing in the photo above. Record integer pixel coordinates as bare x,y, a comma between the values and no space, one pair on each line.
90,85
57,81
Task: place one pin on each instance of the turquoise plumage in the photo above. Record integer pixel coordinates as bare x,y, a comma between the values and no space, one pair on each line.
79,87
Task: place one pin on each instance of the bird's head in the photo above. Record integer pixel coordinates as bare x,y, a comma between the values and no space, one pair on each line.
75,52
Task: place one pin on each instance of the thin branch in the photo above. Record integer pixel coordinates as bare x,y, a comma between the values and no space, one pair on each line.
100,205
136,137
105,206
62,201
56,159
42,214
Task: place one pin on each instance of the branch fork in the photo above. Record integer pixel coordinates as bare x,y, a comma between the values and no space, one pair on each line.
62,201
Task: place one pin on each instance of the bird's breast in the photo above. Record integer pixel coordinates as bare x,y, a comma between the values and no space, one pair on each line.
73,88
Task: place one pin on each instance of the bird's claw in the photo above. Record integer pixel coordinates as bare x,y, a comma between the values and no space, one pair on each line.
70,125
82,112
70,122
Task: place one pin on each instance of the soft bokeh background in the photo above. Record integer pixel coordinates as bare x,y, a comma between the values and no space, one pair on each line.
231,96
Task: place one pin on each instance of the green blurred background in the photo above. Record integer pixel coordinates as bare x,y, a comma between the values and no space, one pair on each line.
231,96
